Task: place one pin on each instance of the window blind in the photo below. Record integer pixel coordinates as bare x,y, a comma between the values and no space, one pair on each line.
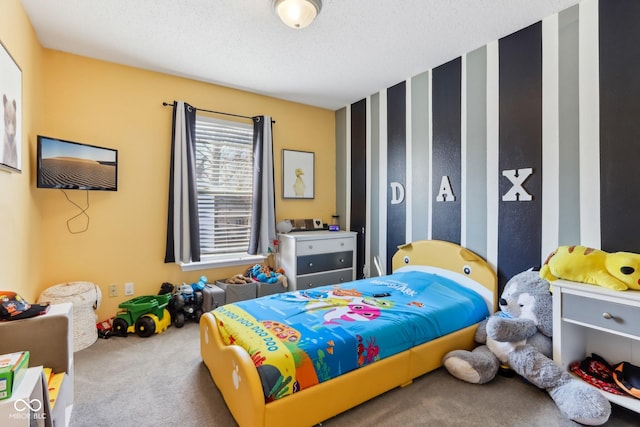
224,172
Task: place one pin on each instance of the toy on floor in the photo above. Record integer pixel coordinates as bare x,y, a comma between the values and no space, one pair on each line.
618,271
105,328
239,279
520,336
144,315
186,300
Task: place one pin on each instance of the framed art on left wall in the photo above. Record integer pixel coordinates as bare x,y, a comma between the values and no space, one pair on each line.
11,125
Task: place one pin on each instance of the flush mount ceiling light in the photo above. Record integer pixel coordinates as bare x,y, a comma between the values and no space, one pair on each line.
297,13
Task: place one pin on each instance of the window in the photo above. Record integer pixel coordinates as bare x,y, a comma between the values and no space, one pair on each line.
224,168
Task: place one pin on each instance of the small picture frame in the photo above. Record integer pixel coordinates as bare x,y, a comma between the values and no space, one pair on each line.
298,174
11,107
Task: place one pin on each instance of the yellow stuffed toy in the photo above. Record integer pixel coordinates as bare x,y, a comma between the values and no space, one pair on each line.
618,271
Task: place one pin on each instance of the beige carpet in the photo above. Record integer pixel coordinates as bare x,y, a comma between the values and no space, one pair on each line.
161,381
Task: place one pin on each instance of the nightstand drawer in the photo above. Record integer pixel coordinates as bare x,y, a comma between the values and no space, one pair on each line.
601,313
323,262
320,279
323,246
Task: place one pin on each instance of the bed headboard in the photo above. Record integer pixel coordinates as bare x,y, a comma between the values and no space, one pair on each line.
447,256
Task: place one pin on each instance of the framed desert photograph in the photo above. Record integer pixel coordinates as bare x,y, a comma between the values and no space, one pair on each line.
11,125
297,174
69,165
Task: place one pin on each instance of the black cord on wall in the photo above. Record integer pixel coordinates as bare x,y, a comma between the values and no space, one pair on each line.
83,211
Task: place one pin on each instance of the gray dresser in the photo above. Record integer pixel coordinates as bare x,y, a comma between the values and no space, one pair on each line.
317,258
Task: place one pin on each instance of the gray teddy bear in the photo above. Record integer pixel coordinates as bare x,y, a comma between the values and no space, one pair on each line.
520,336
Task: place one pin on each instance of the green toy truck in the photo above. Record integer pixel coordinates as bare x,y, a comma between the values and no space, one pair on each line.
144,315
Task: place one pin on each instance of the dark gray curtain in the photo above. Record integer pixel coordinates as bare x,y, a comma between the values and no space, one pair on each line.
263,221
183,225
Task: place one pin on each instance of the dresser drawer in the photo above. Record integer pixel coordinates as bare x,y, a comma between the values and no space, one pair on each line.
320,279
323,246
323,262
601,313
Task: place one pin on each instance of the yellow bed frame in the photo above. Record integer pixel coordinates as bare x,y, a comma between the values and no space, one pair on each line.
235,375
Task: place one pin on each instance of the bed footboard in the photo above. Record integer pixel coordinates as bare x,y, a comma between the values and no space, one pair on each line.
234,374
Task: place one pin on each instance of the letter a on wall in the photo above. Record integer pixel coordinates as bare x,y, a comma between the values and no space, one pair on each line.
445,194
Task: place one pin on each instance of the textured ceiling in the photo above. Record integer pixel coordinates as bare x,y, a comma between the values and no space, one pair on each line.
354,48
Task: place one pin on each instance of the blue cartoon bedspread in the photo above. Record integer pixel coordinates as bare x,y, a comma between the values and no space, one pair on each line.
301,338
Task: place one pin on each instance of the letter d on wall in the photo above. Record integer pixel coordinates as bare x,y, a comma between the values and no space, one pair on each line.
397,193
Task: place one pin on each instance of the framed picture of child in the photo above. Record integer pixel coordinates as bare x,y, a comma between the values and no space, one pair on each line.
297,174
11,124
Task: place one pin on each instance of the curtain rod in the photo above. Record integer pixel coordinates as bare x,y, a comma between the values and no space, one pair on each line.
166,104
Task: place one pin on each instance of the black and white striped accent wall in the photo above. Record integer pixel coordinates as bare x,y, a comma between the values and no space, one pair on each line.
523,145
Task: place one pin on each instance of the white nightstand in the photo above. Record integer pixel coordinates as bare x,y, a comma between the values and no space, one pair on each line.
592,319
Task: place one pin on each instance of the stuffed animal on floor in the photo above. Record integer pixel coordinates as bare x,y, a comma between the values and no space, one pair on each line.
239,279
618,271
265,274
519,336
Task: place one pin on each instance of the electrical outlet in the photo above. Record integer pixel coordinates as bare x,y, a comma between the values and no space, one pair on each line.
113,290
128,288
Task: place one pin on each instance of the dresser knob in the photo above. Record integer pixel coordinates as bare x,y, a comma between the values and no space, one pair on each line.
607,315
310,264
341,259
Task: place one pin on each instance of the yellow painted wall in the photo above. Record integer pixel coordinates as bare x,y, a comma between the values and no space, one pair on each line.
20,228
121,107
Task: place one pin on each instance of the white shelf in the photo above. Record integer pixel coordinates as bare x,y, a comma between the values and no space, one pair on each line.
579,328
627,402
26,406
49,339
624,401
